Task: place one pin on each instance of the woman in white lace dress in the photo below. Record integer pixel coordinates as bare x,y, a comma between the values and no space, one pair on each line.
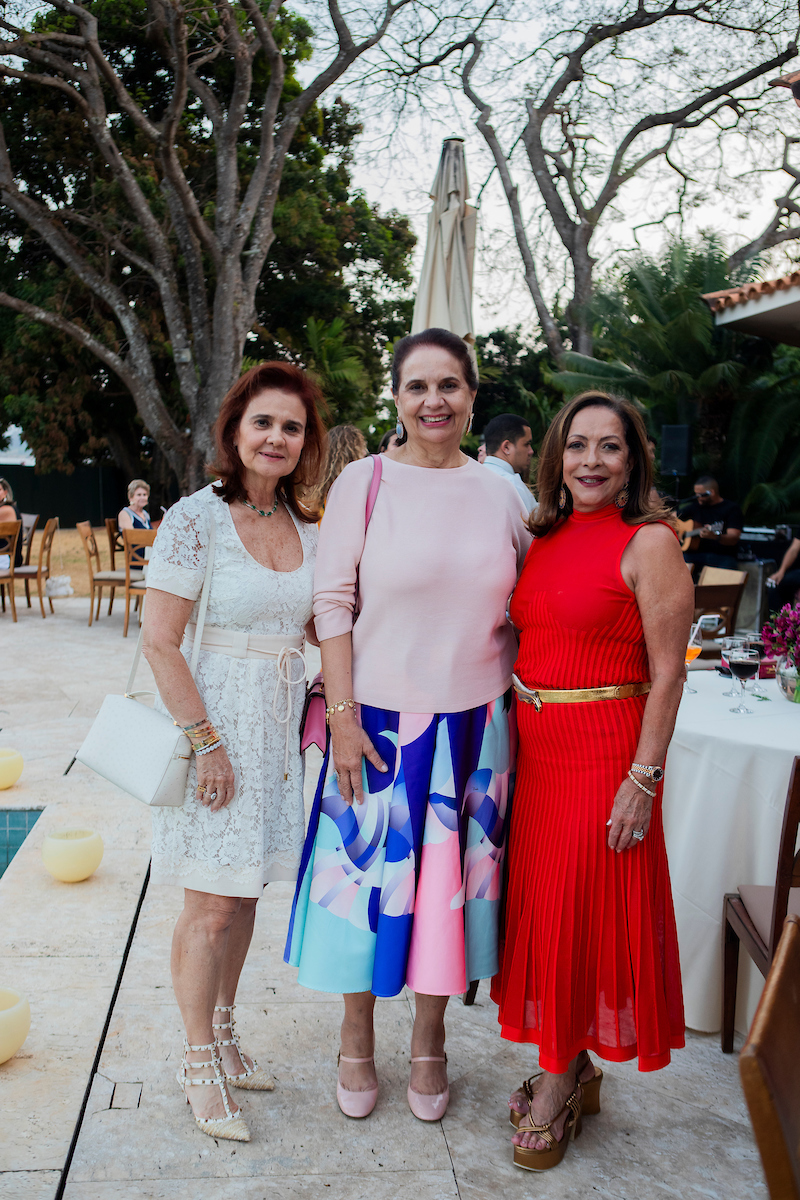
241,823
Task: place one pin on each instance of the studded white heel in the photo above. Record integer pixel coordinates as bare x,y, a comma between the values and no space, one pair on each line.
232,1126
252,1079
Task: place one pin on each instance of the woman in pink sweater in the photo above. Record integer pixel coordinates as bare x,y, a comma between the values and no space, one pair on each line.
401,873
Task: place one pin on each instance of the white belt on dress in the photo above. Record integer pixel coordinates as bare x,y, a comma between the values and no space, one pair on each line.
284,647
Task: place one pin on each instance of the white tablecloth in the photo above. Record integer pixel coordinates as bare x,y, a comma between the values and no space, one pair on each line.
725,788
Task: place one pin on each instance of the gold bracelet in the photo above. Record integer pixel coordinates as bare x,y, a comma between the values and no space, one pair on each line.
340,706
633,779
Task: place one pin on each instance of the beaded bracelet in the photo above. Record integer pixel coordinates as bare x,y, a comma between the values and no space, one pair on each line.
633,779
207,750
340,706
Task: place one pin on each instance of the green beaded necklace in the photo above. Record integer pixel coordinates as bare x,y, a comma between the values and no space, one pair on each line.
260,511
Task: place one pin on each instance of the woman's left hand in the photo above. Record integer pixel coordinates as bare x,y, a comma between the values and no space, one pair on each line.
631,811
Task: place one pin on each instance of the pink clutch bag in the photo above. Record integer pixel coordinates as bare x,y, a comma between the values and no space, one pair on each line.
313,726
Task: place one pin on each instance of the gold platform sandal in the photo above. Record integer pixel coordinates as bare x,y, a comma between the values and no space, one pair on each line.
542,1160
252,1079
232,1126
590,1095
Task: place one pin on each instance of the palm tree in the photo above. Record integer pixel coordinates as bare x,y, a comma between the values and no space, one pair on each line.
656,343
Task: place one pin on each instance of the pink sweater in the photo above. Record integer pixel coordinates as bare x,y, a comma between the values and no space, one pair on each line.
440,561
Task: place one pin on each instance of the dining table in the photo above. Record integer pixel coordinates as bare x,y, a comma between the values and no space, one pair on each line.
725,782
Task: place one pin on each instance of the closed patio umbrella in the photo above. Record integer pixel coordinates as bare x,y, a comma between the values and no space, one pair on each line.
444,297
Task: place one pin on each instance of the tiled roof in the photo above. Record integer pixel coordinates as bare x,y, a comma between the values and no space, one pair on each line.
730,297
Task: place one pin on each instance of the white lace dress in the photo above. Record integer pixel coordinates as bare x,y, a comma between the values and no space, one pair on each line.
258,838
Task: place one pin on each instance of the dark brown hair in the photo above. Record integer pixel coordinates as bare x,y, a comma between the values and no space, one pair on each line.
445,340
639,509
285,377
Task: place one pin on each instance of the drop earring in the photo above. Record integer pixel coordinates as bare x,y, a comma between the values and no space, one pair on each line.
399,430
622,497
469,423
562,498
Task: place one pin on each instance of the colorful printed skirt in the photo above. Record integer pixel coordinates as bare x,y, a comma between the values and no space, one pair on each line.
406,887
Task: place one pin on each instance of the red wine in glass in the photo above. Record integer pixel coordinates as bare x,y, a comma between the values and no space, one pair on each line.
744,665
743,669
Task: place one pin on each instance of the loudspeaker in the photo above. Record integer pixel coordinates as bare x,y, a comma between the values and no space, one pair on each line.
676,450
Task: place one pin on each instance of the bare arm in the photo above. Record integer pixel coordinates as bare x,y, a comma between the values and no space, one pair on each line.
311,633
124,520
167,616
349,742
653,568
789,557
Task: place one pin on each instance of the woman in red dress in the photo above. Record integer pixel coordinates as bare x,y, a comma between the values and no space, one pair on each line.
603,605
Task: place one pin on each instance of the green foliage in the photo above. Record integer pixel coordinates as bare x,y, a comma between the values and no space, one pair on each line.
514,378
762,461
656,343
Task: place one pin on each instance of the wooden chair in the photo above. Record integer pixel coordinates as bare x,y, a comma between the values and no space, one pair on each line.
30,523
98,579
10,532
723,599
768,1066
719,576
115,545
41,572
755,914
135,542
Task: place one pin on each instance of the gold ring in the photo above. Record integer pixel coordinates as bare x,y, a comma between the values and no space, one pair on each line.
201,787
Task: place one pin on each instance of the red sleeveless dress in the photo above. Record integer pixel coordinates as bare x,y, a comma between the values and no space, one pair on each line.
590,960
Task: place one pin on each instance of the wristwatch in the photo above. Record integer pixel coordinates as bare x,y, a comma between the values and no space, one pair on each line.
654,773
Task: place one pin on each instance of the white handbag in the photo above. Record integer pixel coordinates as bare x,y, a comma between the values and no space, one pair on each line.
139,749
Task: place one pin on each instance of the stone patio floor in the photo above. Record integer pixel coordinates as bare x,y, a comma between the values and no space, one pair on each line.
683,1132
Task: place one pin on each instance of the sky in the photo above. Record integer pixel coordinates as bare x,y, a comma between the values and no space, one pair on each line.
402,177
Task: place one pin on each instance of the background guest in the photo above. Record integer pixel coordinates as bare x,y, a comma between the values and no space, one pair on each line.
346,444
9,511
788,581
388,440
719,524
135,515
509,452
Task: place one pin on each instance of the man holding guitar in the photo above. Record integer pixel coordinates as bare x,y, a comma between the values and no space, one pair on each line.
716,526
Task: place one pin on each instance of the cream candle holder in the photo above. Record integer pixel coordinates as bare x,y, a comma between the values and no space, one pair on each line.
11,764
72,855
15,1022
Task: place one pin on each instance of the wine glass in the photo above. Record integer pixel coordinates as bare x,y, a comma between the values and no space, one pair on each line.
757,644
731,643
693,648
744,665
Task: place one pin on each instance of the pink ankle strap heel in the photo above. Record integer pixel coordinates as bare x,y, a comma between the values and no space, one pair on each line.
356,1104
428,1108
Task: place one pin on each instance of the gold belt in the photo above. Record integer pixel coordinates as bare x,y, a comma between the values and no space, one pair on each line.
536,697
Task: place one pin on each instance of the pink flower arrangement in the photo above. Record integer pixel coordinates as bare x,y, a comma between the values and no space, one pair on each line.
782,634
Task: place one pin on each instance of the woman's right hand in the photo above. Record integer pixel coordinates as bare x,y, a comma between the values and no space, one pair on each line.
349,744
215,775
777,577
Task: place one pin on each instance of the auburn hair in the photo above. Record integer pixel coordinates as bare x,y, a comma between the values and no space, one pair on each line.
284,377
639,508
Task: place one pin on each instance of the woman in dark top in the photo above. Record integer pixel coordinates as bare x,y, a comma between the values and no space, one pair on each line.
9,511
135,516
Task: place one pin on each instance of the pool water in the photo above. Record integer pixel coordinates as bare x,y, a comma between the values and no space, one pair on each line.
15,825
